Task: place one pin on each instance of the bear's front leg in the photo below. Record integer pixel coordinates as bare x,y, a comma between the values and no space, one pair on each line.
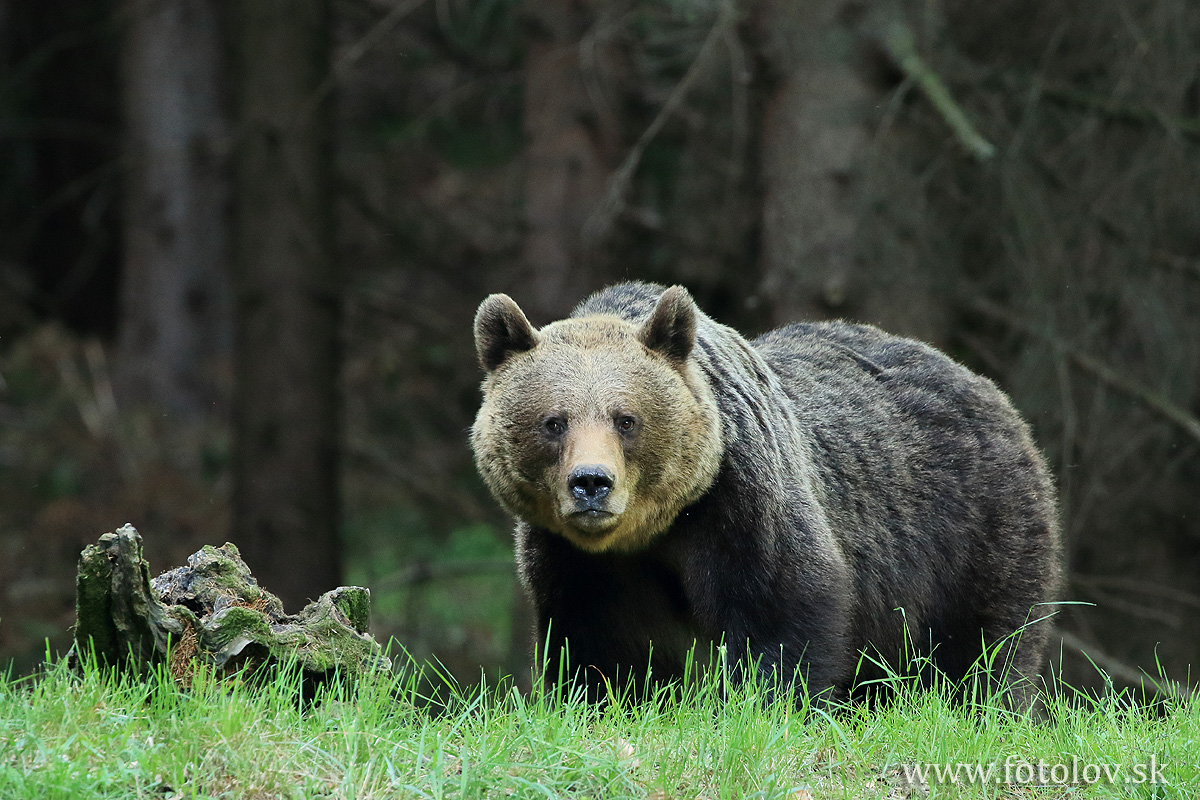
606,622
812,658
786,618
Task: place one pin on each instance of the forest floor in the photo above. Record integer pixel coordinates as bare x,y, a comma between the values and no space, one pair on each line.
98,735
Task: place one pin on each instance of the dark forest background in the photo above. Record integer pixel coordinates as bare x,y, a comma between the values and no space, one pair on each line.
242,242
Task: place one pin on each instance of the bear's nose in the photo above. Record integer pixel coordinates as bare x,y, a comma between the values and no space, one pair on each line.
591,482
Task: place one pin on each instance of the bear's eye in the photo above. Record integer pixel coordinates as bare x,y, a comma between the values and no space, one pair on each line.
626,423
555,426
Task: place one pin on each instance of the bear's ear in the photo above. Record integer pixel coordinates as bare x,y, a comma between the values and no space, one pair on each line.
501,331
671,327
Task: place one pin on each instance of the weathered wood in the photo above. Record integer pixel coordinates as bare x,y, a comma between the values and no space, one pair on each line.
211,613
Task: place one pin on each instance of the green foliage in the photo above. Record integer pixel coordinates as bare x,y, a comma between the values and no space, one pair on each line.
62,480
468,143
98,735
449,596
484,29
477,128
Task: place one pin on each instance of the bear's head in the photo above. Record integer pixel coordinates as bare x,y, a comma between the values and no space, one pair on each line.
595,428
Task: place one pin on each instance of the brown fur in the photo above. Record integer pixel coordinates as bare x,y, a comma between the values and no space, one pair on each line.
823,490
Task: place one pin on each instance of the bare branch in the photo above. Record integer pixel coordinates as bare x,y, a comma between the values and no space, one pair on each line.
600,221
1153,400
354,54
1180,126
1119,669
897,38
1144,587
1105,599
1187,266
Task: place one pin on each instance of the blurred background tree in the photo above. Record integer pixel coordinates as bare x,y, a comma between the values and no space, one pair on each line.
173,318
287,299
1012,181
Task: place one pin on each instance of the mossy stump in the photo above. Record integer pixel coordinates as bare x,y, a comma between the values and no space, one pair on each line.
211,614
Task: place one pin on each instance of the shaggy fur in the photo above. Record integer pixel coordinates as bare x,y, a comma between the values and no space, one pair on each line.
823,490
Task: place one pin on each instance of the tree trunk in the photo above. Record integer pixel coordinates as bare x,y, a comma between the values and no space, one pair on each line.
176,328
571,141
841,206
287,301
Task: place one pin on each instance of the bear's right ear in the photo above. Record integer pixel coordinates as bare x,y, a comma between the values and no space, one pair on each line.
671,327
501,331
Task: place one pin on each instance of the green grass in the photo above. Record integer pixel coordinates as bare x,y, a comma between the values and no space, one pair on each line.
97,735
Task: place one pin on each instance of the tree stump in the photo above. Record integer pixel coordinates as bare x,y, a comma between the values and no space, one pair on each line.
211,614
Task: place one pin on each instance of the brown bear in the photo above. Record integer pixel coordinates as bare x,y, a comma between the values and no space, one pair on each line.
822,492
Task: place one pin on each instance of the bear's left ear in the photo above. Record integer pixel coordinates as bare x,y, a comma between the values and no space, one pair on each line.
501,331
671,326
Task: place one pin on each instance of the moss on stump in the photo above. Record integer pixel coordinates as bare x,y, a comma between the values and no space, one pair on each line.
211,613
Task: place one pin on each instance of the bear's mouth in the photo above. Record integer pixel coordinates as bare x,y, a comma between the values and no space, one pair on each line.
593,520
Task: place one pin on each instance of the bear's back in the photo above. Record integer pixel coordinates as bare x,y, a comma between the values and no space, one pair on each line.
872,375
929,476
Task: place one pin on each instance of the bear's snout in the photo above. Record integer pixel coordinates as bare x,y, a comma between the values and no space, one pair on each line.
594,502
590,486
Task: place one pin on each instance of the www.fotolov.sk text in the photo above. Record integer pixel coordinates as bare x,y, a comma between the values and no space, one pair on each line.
1017,771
